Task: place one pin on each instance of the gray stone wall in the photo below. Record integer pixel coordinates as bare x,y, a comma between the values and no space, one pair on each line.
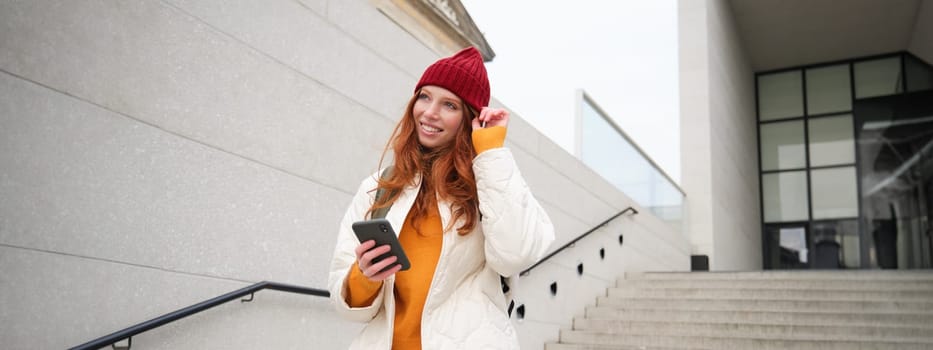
695,134
719,149
154,154
734,147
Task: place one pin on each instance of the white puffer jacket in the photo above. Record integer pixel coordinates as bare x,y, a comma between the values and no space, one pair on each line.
465,308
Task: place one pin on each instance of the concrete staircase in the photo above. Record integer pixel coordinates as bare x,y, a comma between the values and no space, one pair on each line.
824,310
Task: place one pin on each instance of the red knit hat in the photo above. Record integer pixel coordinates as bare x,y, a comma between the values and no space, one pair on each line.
463,74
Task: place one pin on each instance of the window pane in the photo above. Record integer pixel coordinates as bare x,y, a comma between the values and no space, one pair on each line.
836,244
831,141
919,75
834,193
794,240
782,146
828,90
780,96
878,77
787,246
785,196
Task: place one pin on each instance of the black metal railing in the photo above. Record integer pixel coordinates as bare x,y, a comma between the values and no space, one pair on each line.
128,333
571,243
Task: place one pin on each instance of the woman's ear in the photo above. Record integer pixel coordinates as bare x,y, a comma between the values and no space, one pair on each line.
469,115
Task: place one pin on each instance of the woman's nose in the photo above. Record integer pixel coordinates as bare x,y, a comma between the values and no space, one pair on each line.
433,110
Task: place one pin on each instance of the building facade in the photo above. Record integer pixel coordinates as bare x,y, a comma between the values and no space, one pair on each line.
805,132
846,164
155,154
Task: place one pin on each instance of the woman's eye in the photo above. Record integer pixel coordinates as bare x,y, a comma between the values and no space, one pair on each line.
422,96
451,105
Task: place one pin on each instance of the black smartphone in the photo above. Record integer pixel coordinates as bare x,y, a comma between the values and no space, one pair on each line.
380,230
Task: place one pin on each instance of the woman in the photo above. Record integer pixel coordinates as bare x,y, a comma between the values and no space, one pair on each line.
465,216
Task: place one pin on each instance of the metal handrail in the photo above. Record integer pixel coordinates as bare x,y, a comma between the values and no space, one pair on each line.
571,243
128,333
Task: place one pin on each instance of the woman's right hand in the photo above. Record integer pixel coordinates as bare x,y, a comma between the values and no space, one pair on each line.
365,253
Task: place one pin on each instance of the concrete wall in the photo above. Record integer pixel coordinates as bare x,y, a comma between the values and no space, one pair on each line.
719,138
156,154
736,214
695,123
921,40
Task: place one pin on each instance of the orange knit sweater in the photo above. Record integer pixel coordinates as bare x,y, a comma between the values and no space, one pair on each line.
422,242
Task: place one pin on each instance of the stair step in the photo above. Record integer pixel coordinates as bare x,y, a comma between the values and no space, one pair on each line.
760,310
759,293
868,319
732,329
825,275
751,342
559,346
765,304
793,284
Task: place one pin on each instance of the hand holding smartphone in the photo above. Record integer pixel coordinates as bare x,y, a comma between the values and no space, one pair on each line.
380,231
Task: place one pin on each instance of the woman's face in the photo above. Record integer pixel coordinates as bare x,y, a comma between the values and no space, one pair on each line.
438,114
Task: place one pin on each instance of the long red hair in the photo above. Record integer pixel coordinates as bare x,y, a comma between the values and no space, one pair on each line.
445,170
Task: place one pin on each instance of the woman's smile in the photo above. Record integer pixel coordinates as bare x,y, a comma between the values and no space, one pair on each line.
439,114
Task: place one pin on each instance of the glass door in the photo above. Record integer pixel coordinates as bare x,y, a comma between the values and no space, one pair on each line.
895,147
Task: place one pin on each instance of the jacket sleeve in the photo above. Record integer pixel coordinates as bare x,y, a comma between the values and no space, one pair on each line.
517,230
344,258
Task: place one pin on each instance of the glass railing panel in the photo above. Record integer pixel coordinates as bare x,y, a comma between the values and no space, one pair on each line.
606,149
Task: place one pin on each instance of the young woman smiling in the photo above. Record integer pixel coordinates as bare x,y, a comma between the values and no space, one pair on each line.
466,218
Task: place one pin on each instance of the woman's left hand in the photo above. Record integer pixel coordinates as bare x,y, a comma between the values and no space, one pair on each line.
492,117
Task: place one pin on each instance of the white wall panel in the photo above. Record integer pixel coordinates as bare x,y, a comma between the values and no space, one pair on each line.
736,215
81,180
156,154
59,301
